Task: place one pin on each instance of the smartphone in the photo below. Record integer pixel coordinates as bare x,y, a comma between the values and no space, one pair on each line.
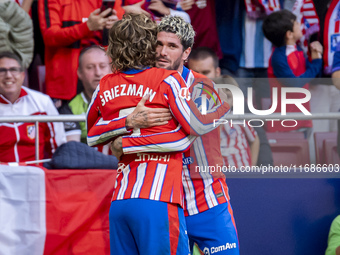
107,4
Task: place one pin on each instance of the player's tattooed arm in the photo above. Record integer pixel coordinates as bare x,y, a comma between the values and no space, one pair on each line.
117,148
144,117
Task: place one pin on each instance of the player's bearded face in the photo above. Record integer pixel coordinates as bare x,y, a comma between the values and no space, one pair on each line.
162,62
169,51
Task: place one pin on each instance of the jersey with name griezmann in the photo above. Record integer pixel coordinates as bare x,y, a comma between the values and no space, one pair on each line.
155,176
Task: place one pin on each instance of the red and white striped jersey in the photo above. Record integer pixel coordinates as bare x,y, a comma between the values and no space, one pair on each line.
234,144
17,140
202,189
155,176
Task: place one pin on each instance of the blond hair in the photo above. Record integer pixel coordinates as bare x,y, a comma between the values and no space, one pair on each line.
132,43
178,26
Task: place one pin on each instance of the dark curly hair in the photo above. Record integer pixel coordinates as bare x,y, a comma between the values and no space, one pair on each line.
132,43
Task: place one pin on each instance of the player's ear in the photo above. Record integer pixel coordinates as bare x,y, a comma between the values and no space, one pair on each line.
186,53
218,71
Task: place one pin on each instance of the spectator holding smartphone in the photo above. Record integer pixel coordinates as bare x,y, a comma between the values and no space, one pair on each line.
67,27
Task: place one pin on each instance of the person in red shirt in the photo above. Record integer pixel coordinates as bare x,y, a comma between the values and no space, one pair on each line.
67,27
17,140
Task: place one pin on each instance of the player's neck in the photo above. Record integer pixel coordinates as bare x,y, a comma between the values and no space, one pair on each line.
180,69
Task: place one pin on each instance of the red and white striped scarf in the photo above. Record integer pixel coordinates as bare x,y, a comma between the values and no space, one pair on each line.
331,34
259,8
309,20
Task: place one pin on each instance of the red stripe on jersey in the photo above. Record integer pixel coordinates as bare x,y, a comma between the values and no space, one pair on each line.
207,189
230,210
173,228
337,26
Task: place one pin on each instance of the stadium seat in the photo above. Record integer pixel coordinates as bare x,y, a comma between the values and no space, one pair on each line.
330,152
319,138
273,136
289,152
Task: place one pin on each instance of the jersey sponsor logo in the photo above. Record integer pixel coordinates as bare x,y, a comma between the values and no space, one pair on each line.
31,132
219,195
126,90
188,160
217,249
206,251
201,102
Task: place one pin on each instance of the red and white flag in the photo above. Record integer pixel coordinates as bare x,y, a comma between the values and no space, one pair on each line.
309,20
54,211
260,8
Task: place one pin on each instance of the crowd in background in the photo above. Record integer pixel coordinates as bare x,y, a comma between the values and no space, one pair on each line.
58,48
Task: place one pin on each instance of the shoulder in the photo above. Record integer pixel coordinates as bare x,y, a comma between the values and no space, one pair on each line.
107,78
336,222
279,56
279,52
198,75
43,101
161,73
76,100
37,95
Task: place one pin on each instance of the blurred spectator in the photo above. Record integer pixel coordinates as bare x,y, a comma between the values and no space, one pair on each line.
16,31
247,52
94,64
203,19
333,247
229,20
256,50
67,27
18,139
325,94
204,60
240,144
288,61
155,8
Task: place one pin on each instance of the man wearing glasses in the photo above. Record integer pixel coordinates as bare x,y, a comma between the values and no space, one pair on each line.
17,140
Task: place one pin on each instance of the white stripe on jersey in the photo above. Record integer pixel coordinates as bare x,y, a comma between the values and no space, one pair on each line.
184,108
207,178
309,6
93,140
17,159
52,132
158,180
124,182
141,170
180,145
189,192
